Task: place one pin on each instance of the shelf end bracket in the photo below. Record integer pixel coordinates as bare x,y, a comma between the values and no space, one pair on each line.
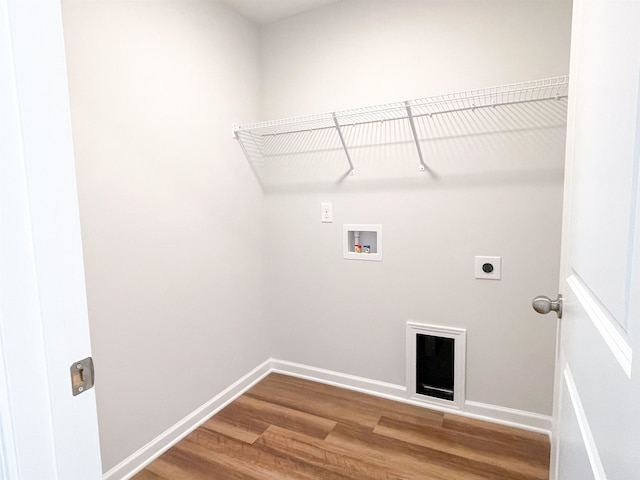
423,166
352,170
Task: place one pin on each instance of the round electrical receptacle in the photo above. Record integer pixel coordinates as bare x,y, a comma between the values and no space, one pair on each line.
487,268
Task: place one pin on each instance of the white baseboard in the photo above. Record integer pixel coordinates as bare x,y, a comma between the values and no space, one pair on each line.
481,411
337,379
156,447
535,422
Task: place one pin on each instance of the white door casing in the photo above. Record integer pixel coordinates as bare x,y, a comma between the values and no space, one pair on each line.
46,432
596,405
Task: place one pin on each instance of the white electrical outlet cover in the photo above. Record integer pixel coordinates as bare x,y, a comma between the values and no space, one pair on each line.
326,212
488,268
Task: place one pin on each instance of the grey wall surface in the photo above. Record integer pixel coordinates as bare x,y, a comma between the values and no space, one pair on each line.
171,213
497,194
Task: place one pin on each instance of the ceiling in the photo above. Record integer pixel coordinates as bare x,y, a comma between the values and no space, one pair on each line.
266,11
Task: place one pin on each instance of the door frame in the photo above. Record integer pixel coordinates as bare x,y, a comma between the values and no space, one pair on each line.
564,247
43,311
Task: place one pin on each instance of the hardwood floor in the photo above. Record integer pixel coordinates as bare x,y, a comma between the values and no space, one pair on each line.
288,428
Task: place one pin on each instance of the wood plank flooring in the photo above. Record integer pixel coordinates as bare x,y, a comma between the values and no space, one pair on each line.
288,428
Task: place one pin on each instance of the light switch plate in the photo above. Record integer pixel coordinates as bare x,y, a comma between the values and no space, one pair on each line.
488,268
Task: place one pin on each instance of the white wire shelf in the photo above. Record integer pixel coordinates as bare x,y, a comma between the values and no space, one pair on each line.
277,143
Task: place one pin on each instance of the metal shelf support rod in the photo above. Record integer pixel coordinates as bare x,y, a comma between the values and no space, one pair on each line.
236,134
423,167
352,170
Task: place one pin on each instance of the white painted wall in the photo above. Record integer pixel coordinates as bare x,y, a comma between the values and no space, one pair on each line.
171,213
356,53
350,316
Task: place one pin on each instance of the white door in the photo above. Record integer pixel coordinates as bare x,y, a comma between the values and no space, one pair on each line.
597,404
46,433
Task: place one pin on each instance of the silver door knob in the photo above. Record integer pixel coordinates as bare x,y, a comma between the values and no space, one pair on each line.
542,304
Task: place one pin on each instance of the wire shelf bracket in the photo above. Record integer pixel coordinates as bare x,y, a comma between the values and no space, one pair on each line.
422,167
352,170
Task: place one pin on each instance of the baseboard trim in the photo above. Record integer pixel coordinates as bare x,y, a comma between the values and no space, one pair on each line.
510,417
481,411
337,379
152,450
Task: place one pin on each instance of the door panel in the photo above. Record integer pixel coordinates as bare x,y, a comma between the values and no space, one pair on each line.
607,88
574,462
597,423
